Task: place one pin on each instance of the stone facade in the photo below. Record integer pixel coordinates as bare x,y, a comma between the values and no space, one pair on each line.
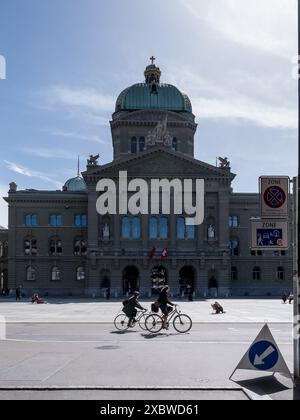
3,259
59,245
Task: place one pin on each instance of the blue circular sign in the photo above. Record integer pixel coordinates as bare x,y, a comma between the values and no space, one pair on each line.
263,355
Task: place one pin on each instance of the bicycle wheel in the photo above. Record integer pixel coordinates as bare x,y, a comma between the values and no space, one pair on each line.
142,322
121,322
154,323
182,323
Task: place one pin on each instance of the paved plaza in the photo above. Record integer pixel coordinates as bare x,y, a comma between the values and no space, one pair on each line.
72,350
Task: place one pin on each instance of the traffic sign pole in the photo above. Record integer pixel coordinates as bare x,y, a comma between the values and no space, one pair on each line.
297,275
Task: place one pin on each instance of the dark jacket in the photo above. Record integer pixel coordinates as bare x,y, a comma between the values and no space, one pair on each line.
163,299
131,305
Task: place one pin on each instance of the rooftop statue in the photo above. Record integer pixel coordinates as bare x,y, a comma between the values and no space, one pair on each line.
224,162
93,160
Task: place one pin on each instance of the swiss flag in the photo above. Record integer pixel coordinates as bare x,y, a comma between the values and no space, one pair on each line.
165,253
152,253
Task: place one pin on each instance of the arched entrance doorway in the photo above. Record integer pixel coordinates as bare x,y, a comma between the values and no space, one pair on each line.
187,280
159,278
213,284
131,279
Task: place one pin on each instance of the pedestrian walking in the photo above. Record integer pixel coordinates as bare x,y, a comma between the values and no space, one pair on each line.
18,293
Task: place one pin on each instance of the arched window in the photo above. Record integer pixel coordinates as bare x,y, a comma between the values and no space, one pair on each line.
55,246
235,247
280,274
234,273
136,228
175,144
180,228
125,228
80,247
133,145
80,274
142,144
30,274
30,246
163,228
55,274
153,228
256,274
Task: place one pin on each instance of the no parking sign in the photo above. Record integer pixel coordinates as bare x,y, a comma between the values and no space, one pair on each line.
274,197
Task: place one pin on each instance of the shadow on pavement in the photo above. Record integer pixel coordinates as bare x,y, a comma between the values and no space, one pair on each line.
107,348
123,332
265,386
159,335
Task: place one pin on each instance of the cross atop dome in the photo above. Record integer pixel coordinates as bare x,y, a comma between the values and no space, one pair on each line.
152,73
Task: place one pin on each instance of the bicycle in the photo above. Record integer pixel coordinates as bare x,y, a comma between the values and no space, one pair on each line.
182,323
121,321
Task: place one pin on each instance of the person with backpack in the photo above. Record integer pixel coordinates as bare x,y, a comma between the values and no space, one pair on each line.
130,308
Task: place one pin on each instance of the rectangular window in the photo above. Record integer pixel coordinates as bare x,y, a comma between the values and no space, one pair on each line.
80,220
234,222
77,220
56,220
30,220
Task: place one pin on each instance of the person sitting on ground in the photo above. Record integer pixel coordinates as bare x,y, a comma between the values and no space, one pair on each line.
163,301
130,308
35,298
218,308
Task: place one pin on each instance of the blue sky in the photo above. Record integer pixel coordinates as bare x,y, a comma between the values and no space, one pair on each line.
67,61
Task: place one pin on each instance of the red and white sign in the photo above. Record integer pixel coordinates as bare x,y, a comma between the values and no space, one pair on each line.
274,193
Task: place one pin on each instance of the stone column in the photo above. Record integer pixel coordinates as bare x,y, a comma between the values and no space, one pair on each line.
117,232
223,219
93,228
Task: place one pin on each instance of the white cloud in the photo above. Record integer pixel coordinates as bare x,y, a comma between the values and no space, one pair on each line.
86,106
83,98
50,153
263,101
22,170
268,25
3,206
77,136
243,108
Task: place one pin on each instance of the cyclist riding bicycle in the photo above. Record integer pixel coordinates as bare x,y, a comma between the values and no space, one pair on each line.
130,308
164,305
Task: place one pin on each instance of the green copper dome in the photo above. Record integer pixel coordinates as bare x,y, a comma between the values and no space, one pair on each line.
75,184
166,97
153,95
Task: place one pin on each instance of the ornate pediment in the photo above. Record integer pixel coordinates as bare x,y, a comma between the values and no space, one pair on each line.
159,162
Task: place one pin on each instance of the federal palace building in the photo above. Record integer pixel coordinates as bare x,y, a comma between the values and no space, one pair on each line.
57,243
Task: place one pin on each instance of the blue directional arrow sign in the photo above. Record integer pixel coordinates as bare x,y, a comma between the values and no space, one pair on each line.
263,355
